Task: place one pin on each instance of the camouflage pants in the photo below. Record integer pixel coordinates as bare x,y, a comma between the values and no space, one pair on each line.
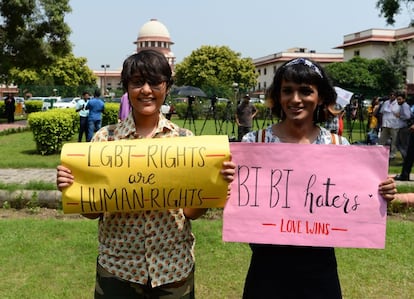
110,287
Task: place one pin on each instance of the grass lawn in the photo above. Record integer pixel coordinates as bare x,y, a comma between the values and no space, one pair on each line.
55,258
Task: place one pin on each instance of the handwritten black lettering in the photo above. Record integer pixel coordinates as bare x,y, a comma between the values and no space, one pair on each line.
110,156
313,201
274,191
243,183
160,156
94,200
139,178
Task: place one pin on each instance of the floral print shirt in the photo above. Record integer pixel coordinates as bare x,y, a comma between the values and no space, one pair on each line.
145,247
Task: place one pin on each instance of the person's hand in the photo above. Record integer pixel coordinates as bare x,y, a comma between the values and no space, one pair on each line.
388,189
228,171
64,177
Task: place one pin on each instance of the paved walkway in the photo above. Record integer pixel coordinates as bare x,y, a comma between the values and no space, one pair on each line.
25,175
15,125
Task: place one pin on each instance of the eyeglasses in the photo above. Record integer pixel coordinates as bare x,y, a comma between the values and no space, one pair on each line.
157,86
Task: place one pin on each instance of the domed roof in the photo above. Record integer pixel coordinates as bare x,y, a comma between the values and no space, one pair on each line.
153,28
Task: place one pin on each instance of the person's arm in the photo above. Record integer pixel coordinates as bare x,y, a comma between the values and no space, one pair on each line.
405,112
236,116
79,107
255,111
237,120
228,171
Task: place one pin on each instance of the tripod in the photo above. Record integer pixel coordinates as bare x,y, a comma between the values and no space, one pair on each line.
211,112
228,118
189,115
354,112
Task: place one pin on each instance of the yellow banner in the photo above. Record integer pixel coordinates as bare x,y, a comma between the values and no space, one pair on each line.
145,174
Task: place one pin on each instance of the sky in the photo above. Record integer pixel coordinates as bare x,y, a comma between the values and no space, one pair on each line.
103,31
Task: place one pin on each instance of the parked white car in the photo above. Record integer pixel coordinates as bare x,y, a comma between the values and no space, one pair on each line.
47,101
256,101
66,103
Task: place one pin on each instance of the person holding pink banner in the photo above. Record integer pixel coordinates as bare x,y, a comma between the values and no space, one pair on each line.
145,254
299,96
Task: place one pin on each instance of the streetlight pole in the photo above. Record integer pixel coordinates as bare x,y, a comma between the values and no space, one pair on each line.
235,86
104,66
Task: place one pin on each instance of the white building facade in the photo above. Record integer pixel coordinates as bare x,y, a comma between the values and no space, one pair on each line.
266,66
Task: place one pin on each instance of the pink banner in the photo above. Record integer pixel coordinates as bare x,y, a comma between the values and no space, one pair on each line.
305,194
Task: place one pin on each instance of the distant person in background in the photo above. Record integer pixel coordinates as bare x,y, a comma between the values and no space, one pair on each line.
390,124
10,108
95,106
334,122
373,123
404,120
124,107
409,159
83,115
245,114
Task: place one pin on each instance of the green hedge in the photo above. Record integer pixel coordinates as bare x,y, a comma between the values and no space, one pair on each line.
33,106
110,114
51,128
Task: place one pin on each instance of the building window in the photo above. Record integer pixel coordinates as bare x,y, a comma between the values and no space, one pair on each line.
264,71
274,69
260,72
356,53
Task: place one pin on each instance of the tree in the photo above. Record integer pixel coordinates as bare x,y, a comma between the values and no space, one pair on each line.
69,74
397,60
32,34
66,71
367,76
215,69
390,8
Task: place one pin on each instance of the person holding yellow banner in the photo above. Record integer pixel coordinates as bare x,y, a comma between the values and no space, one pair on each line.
145,254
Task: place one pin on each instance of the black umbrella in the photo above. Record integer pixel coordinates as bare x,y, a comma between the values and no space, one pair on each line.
189,91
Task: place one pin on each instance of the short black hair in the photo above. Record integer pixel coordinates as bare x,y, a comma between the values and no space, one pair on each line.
150,65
